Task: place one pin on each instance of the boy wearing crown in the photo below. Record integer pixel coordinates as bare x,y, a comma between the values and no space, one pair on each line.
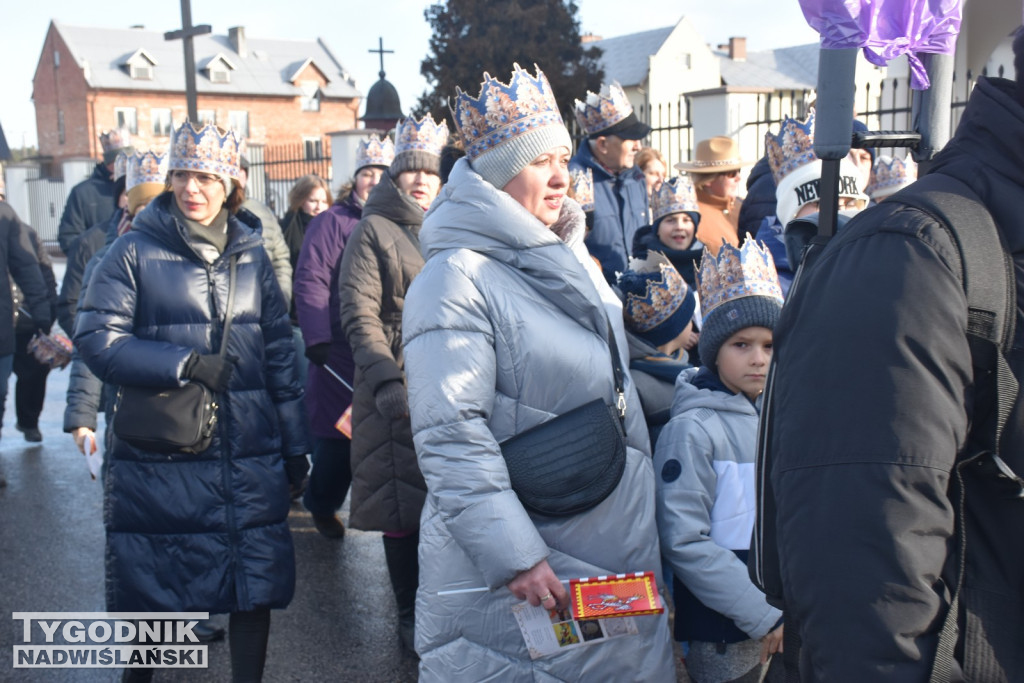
704,463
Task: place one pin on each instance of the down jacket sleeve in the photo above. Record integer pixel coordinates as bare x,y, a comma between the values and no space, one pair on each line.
103,329
865,443
451,364
277,250
715,575
361,290
282,382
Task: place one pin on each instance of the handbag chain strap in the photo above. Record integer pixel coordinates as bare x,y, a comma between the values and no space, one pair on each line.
620,391
231,304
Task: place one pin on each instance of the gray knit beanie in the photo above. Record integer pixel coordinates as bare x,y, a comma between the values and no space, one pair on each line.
500,164
415,160
731,317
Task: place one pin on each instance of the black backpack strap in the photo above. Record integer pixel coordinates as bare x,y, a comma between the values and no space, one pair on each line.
989,283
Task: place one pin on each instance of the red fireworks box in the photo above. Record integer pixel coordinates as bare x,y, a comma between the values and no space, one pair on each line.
622,595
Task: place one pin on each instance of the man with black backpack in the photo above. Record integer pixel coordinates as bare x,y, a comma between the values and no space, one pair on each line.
898,516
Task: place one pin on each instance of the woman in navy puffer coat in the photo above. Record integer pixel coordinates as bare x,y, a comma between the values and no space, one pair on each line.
204,532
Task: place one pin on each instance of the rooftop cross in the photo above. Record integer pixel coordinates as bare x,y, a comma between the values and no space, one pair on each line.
185,34
380,51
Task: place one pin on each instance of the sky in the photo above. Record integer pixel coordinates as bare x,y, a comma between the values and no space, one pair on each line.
350,29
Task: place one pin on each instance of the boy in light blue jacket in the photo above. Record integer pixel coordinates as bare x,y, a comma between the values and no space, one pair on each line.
704,462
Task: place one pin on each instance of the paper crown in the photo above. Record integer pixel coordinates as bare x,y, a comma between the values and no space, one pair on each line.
120,164
502,113
792,148
736,273
583,187
889,175
146,167
420,136
206,150
113,140
604,109
658,304
374,151
674,195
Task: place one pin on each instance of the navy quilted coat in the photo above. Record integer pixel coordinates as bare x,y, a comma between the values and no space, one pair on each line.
206,532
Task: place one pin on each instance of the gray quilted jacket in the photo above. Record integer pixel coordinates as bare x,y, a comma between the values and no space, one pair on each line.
505,328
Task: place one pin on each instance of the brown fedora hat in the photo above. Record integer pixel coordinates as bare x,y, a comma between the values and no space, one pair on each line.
714,156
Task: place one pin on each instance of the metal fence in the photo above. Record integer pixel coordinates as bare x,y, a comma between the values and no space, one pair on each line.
274,169
46,198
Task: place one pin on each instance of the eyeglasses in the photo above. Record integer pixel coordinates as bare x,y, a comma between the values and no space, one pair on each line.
731,174
181,178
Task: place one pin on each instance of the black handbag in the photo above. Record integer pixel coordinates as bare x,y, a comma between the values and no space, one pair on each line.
574,461
175,419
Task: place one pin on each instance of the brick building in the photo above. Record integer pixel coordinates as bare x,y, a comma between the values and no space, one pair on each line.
274,92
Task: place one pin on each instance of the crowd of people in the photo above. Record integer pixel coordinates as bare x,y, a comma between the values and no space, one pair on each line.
468,289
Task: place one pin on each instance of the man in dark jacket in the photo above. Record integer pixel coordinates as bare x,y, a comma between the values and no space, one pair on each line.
90,201
620,191
18,260
864,444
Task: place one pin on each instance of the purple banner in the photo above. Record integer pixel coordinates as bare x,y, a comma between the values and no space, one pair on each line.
887,29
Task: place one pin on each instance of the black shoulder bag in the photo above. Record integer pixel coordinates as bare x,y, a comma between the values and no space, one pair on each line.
574,461
176,419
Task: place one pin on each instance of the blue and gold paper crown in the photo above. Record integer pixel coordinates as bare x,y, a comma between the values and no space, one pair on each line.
146,167
502,113
121,164
420,136
792,148
674,196
113,140
604,109
205,150
889,175
736,273
583,187
657,304
375,152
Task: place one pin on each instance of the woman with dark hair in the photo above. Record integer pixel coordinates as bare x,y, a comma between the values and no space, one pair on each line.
509,326
317,307
203,532
309,197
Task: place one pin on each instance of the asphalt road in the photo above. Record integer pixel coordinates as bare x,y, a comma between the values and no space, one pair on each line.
340,626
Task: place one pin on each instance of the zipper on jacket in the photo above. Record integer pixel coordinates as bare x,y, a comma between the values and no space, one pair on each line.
241,594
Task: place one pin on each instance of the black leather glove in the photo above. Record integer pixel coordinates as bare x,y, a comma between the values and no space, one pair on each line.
210,369
392,400
317,353
296,467
44,325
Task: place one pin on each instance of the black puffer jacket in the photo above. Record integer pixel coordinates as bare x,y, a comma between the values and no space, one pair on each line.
380,261
18,260
864,443
207,532
760,200
90,202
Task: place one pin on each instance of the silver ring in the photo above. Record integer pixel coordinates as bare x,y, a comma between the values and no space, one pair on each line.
547,597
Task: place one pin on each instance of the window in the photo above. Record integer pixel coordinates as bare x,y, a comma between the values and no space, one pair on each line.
60,126
56,58
238,121
141,72
207,116
314,148
126,119
310,98
161,122
219,75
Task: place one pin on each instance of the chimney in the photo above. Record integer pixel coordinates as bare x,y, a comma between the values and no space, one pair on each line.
236,34
738,49
589,37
